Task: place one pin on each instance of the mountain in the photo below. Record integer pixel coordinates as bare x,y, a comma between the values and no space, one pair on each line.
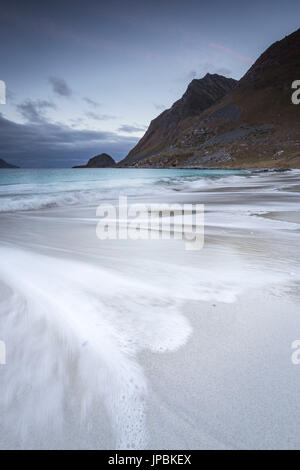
99,161
253,124
163,132
4,164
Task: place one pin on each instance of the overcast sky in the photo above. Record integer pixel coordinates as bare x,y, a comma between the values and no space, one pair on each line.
85,77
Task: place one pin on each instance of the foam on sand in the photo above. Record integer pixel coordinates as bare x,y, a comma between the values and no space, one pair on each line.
133,344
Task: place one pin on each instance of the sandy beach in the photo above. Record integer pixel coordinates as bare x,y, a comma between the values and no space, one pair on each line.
135,344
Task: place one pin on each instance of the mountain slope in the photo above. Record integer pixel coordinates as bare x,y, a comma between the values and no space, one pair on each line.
163,131
254,125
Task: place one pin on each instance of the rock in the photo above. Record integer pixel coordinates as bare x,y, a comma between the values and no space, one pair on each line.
4,164
99,161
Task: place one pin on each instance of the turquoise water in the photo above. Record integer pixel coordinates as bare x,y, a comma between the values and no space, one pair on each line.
34,189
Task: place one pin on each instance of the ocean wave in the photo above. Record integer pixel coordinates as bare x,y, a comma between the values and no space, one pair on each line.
37,201
73,332
58,192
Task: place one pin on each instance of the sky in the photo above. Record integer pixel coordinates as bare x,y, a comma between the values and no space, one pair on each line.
86,77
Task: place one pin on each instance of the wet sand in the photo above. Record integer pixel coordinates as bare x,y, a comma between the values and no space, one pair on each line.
142,344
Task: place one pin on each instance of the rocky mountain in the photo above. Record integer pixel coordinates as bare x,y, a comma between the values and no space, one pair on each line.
4,164
164,131
99,161
252,124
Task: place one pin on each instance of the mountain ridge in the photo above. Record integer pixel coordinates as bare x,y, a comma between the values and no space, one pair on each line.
199,95
254,124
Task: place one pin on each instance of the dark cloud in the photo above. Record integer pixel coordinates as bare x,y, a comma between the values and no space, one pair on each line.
99,117
91,102
131,129
34,110
60,86
44,144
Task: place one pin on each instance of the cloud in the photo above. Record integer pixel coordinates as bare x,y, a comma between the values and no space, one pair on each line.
91,102
44,144
99,117
231,52
208,67
34,110
159,107
76,121
203,69
10,95
191,75
60,86
223,71
131,129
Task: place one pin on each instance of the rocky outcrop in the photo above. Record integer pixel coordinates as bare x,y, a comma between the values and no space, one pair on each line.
4,164
99,161
254,124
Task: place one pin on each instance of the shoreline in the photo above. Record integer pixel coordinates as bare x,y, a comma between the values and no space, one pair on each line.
256,169
142,344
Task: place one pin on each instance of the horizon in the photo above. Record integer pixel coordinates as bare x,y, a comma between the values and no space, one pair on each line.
61,111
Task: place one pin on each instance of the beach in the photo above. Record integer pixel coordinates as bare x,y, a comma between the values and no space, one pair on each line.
133,344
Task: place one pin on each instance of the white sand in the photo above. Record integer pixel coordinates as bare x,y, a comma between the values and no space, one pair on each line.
136,344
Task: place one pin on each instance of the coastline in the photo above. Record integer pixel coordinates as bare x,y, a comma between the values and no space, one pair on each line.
191,167
258,169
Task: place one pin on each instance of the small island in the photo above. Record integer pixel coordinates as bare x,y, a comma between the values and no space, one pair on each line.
99,161
4,164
